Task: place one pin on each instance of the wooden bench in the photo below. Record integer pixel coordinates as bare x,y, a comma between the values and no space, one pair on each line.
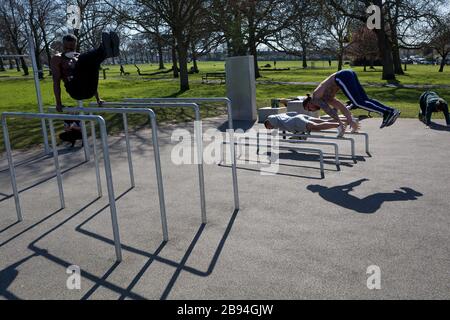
214,76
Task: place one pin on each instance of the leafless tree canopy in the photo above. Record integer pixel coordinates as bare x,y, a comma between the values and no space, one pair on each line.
182,31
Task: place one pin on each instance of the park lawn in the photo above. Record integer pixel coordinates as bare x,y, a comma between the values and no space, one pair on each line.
18,94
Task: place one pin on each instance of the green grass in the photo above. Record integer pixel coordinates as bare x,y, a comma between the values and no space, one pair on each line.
17,92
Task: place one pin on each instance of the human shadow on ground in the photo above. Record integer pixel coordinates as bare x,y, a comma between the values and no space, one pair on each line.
340,195
10,273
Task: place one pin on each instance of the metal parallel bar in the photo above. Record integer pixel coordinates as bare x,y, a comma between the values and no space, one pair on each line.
110,186
230,131
12,170
6,56
127,141
318,151
37,85
352,141
57,167
154,128
101,122
334,145
87,153
364,134
198,135
159,177
96,159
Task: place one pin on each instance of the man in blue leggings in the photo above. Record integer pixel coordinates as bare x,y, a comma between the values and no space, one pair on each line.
324,97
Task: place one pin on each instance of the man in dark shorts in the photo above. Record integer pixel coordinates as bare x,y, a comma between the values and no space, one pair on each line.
79,72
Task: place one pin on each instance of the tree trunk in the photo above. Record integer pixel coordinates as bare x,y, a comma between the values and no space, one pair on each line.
175,61
444,58
393,24
254,53
24,67
17,65
385,47
47,49
76,33
160,54
183,57
365,64
39,64
340,58
2,65
194,59
386,55
304,57
397,61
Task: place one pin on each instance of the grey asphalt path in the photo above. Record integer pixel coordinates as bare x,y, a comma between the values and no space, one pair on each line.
296,236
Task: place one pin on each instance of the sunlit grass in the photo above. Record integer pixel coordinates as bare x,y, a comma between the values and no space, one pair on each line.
18,94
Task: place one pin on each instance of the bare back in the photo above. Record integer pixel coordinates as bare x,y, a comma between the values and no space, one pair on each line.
327,90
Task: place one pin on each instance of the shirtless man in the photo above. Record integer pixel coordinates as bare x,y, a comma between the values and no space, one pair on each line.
79,72
324,97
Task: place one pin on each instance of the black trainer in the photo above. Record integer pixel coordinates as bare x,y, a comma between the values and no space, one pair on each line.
394,118
115,43
386,118
107,44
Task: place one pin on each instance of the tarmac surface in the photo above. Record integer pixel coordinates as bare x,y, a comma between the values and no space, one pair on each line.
296,236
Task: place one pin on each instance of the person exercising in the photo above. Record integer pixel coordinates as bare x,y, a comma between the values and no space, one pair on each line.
324,97
431,102
301,123
79,72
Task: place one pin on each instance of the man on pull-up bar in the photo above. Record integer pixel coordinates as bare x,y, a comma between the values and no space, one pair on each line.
79,72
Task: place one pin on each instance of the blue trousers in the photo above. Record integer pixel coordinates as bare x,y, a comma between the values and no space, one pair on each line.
348,82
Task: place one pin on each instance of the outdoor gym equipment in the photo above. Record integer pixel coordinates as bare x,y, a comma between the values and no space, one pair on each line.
201,101
104,138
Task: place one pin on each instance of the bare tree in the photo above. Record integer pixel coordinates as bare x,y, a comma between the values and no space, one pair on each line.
364,46
15,28
337,27
300,36
440,38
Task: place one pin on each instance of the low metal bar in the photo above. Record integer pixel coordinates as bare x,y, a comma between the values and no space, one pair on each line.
87,152
198,135
364,134
37,86
334,145
127,142
57,167
108,173
96,159
318,151
314,136
12,170
154,128
230,129
6,56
